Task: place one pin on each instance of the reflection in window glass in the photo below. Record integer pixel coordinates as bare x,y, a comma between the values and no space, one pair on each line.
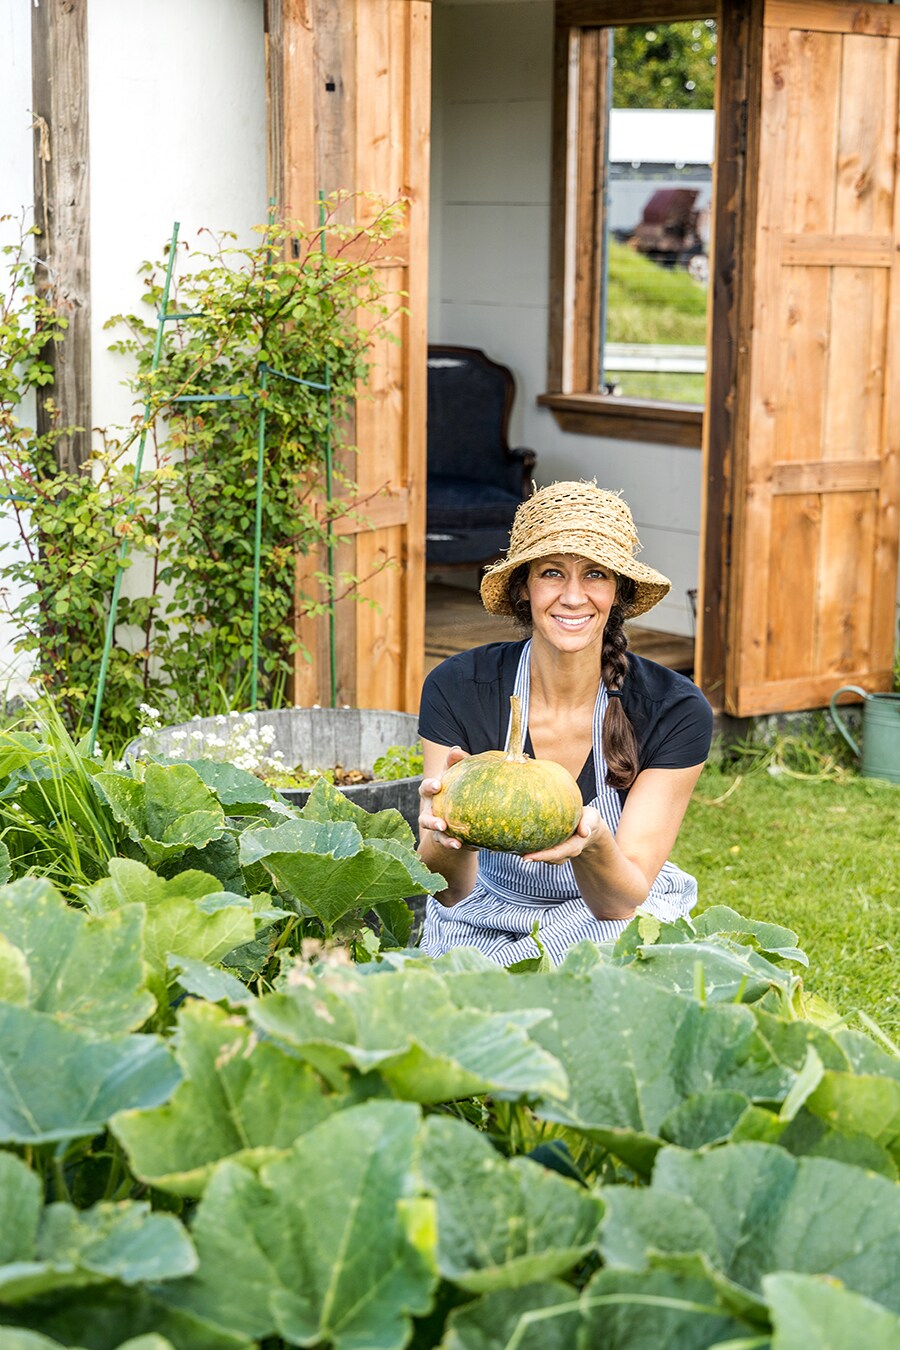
657,217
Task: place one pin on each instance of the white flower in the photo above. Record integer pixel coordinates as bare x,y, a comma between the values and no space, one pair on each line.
179,735
221,719
176,752
196,735
152,713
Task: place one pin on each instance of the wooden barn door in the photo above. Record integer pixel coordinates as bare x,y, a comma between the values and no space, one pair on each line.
349,88
813,570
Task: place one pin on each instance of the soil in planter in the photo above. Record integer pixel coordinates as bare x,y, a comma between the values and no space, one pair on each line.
307,778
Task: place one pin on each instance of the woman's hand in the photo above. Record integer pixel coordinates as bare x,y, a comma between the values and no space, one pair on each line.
427,791
456,862
590,833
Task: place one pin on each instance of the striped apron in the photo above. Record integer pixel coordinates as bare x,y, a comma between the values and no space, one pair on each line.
497,916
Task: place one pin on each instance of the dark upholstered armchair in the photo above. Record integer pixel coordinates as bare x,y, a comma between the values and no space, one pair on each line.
475,481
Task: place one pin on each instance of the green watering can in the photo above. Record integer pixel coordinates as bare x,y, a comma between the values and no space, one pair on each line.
880,753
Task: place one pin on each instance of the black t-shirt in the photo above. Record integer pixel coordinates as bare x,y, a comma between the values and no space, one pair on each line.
465,702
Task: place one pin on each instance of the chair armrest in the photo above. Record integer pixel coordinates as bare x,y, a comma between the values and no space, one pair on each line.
525,459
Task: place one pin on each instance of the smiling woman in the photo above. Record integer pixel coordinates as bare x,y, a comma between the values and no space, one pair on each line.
633,734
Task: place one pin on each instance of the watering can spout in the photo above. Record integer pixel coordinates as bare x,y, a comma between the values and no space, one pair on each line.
879,754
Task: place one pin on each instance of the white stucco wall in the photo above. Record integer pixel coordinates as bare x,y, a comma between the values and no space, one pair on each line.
489,275
178,132
177,118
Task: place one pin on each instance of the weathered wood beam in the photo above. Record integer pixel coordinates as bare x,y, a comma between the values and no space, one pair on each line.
61,212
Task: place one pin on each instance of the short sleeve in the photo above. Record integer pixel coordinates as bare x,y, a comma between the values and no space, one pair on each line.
442,695
682,734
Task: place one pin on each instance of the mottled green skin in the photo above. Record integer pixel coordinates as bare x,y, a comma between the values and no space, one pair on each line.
511,806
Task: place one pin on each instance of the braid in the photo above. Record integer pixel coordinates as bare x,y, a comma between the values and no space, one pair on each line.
619,742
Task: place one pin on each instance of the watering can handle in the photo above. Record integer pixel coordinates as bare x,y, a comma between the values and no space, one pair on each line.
835,717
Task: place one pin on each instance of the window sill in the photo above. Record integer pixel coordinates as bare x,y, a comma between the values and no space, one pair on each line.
626,419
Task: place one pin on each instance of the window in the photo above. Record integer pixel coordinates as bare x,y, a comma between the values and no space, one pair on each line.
634,137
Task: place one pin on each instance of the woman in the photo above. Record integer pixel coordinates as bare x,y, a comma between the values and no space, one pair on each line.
632,733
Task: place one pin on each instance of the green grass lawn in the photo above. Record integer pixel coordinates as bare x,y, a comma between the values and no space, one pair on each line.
821,857
650,303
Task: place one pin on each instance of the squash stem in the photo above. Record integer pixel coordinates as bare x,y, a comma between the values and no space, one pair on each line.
514,753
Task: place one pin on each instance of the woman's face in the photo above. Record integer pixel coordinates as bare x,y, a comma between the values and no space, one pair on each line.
570,599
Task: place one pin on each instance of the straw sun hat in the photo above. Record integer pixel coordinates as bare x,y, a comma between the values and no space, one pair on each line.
577,518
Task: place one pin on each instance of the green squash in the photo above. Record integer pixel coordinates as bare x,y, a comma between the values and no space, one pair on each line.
509,802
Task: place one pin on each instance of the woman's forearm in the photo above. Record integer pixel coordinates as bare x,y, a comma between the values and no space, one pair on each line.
458,867
611,885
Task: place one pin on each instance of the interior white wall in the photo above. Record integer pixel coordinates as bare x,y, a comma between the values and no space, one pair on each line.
489,280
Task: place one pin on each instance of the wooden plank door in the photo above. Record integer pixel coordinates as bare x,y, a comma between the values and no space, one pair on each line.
813,570
349,87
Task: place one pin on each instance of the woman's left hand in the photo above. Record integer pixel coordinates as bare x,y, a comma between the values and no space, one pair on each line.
591,831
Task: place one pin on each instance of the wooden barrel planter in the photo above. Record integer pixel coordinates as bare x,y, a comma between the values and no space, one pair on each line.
321,738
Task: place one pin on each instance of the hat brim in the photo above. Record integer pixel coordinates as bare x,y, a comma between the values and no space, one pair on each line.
651,586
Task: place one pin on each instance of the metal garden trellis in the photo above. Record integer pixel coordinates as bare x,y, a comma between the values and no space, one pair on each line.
263,371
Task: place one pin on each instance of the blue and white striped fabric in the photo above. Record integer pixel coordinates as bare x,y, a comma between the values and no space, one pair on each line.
498,915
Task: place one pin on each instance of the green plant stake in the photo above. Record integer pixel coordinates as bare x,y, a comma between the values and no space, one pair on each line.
332,650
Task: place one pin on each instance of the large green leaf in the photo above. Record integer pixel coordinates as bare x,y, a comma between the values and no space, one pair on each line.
62,1082
403,1024
807,1311
18,748
85,970
634,1052
326,802
860,1104
209,982
502,1223
809,1136
15,977
771,1211
864,1056
330,869
241,793
20,1209
124,1243
635,1226
332,1254
186,916
706,1118
770,938
724,970
5,865
539,1317
111,1316
16,1338
166,811
239,1099
657,1310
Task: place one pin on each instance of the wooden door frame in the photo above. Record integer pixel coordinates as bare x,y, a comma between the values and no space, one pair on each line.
738,98
59,85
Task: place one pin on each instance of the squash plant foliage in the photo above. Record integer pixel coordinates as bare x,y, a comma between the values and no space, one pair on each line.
210,1140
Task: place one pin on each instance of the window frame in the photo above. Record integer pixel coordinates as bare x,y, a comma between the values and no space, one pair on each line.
580,118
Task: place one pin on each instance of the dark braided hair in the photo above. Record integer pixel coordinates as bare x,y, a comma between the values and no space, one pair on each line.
619,742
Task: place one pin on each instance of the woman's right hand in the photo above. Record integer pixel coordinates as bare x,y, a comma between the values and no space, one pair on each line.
430,786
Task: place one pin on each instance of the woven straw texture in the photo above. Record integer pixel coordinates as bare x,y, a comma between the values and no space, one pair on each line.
577,518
